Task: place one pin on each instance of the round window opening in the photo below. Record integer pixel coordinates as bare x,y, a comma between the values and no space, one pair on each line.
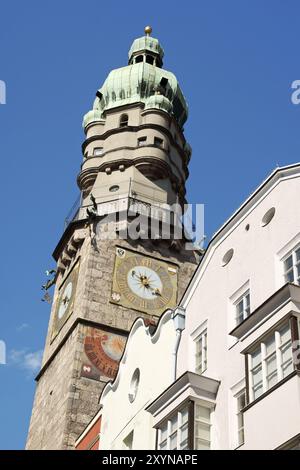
227,257
268,217
114,188
134,384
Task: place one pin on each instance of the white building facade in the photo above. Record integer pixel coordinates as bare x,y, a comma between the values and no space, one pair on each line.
237,383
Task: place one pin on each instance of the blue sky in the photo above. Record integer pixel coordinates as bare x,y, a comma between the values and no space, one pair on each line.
235,61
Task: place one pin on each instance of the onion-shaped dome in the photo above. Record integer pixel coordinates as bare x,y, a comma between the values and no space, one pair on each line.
92,116
161,102
137,82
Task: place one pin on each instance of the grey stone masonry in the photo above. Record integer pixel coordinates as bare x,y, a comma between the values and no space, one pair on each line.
64,401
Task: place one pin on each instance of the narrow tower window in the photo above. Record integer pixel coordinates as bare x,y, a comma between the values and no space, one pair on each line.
124,120
142,141
98,151
139,58
158,142
149,59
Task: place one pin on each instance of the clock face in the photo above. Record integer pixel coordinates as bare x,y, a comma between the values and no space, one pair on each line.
143,283
102,354
65,301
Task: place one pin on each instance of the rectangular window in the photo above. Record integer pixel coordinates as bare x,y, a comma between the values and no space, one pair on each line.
202,428
142,141
271,361
240,404
173,434
291,266
98,151
158,142
242,308
201,352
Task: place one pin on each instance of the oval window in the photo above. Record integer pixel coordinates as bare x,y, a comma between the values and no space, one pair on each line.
268,217
114,188
134,385
227,257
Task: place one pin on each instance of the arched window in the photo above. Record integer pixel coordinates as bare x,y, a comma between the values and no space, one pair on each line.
124,120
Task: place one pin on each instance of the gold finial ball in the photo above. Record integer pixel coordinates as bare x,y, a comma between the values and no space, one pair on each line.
148,30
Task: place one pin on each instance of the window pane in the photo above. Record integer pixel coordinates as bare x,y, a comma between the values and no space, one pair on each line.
174,423
202,445
184,433
163,432
200,353
202,413
298,272
257,375
285,333
271,364
257,381
272,379
298,254
184,416
241,437
288,263
256,357
289,276
241,401
287,368
173,441
270,345
163,445
202,431
184,445
257,390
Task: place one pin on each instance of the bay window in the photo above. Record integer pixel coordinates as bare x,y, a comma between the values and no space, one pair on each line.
187,428
202,428
271,361
173,433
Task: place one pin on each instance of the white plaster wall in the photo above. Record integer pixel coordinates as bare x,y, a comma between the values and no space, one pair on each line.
256,260
153,356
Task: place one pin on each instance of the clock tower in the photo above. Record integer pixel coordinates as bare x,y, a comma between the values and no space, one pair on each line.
122,255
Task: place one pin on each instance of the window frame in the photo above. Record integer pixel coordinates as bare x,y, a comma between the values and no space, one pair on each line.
95,154
203,354
293,268
177,431
239,414
190,426
158,142
242,299
124,120
142,141
265,356
204,422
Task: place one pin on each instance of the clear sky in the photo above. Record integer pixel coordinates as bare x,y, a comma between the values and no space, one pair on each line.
235,60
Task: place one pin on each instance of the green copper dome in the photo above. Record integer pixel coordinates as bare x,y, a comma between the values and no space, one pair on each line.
140,82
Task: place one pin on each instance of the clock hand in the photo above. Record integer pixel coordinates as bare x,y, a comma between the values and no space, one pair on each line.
65,300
